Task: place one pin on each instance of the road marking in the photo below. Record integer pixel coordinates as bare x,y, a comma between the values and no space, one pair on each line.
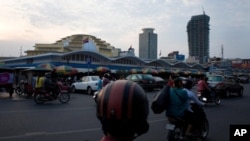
63,132
49,133
45,110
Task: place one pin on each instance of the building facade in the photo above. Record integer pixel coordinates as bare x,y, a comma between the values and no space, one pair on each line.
198,37
148,44
79,60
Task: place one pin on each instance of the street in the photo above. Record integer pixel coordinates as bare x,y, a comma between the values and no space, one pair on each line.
22,119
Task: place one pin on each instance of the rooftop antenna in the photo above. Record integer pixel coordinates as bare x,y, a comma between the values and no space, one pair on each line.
222,52
203,10
21,51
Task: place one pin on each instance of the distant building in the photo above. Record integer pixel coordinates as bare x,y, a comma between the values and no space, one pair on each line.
148,44
76,42
130,52
198,37
176,56
191,59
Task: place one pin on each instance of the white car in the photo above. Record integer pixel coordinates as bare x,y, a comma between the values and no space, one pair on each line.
86,83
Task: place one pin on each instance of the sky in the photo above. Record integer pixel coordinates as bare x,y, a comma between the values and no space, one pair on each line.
23,23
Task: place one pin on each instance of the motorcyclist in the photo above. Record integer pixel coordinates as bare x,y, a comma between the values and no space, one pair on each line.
49,85
203,87
179,101
106,79
122,108
195,117
39,81
99,83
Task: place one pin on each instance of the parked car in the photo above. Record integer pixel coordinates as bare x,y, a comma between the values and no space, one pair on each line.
243,79
225,86
86,83
146,81
159,82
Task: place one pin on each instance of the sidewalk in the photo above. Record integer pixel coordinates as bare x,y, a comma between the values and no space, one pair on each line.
5,95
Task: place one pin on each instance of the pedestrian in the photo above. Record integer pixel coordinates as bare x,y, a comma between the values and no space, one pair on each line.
122,108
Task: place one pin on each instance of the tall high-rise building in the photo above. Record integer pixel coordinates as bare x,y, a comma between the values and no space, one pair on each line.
198,37
148,44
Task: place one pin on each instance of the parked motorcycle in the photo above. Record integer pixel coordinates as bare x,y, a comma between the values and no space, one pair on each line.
24,88
42,95
176,127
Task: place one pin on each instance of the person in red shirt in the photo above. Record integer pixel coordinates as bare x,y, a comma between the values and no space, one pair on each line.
170,81
202,86
122,108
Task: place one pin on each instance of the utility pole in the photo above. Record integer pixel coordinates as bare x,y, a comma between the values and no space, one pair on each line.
21,52
222,52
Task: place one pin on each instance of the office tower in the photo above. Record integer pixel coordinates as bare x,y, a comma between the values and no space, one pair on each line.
198,37
148,44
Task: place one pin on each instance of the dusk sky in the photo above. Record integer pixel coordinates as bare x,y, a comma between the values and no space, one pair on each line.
119,22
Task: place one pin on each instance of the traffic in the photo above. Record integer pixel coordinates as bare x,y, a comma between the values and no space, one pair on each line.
63,91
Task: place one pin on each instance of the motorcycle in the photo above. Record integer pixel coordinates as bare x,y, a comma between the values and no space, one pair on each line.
95,95
42,95
24,88
209,98
176,127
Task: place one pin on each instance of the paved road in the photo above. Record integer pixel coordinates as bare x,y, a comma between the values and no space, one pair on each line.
23,120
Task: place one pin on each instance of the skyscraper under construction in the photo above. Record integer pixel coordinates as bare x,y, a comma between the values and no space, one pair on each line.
198,37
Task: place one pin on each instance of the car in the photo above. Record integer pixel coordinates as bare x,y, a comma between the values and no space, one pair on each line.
186,78
243,79
160,82
146,81
213,80
86,83
225,86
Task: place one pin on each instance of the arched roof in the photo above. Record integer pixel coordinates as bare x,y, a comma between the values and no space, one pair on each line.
99,58
132,58
181,64
197,66
161,62
90,53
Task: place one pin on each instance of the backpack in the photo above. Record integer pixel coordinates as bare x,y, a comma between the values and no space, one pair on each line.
161,100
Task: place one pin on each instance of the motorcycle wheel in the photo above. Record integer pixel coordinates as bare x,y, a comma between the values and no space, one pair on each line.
217,100
18,91
64,97
39,98
175,135
170,135
205,129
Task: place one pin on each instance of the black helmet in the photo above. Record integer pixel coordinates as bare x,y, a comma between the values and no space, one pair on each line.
178,82
122,108
187,83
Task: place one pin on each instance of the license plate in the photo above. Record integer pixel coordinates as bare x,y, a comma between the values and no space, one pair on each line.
150,81
170,126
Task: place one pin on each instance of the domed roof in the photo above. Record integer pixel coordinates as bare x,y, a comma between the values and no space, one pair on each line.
90,46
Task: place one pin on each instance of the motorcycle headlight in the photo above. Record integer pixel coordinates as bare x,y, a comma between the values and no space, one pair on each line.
204,99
